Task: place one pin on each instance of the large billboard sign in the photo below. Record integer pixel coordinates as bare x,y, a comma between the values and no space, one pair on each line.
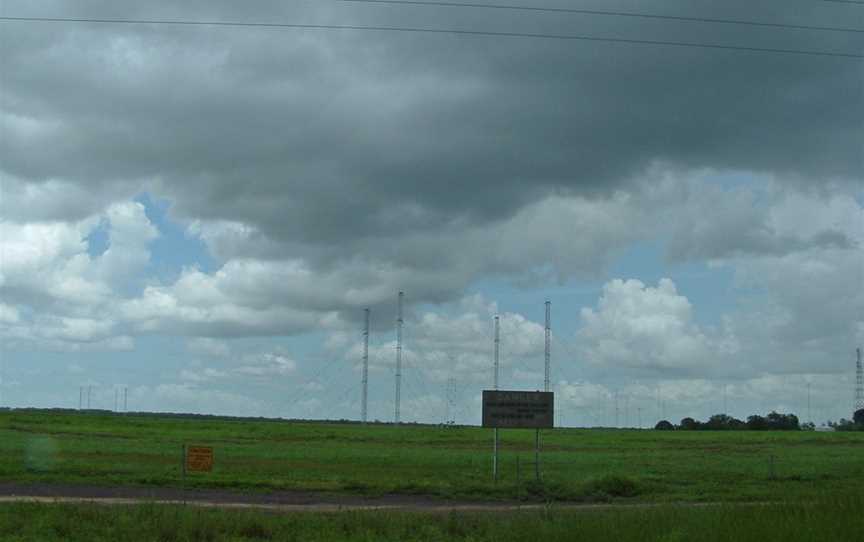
518,409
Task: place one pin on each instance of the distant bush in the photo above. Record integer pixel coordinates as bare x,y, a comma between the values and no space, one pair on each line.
689,424
783,422
612,486
664,425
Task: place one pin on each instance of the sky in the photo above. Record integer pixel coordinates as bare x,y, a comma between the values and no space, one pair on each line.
198,215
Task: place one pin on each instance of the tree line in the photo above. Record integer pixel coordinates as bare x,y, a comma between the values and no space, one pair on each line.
855,424
774,421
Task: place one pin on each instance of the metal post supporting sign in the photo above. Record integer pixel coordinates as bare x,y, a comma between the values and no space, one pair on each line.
495,455
537,455
183,471
518,478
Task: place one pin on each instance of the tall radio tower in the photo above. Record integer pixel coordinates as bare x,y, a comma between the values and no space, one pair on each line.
365,399
399,355
548,356
450,417
859,382
497,339
495,358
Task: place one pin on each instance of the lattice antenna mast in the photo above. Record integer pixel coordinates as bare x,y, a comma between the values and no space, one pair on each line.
398,355
495,358
364,403
451,393
451,401
859,382
548,354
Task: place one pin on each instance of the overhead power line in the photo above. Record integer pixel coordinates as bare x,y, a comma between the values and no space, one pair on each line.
404,29
536,9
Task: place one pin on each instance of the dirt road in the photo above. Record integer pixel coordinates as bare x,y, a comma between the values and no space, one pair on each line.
277,501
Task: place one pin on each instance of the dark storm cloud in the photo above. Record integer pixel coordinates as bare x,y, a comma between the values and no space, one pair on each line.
321,138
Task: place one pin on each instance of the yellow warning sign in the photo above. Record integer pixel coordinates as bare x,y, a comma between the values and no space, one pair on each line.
199,459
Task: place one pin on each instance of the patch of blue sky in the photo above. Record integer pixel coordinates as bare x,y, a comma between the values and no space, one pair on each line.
98,239
173,249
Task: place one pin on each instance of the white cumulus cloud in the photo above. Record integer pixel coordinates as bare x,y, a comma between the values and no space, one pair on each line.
639,326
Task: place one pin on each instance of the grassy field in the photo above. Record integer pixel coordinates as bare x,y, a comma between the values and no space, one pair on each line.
580,465
826,519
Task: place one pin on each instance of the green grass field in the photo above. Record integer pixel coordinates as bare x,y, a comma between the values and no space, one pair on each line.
824,520
579,465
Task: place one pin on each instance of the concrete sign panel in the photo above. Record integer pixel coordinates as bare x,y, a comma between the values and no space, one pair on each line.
518,409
